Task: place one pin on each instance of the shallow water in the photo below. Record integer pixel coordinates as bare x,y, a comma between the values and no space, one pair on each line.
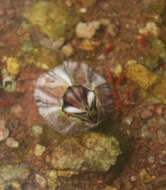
123,41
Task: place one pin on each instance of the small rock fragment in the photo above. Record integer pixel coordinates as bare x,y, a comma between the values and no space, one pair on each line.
17,110
52,44
117,69
151,107
37,130
83,10
160,182
15,185
112,30
4,132
146,114
68,50
58,43
88,45
145,131
110,188
12,143
11,172
39,149
2,12
151,159
40,180
101,57
128,120
87,30
161,136
159,110
2,184
133,178
150,28
52,178
104,21
144,176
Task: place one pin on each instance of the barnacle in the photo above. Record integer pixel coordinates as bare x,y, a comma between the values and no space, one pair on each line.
8,83
72,97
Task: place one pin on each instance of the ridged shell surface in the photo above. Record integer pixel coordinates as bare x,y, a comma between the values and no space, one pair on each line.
70,95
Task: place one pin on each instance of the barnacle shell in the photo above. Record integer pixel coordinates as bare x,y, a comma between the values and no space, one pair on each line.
72,97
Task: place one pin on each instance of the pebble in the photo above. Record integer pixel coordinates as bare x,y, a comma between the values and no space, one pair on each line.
52,179
151,159
52,44
52,174
10,13
17,110
144,176
68,3
112,30
151,107
145,132
151,28
133,178
128,120
40,180
104,21
15,185
105,6
39,150
68,50
37,130
117,69
160,182
152,122
12,143
161,136
164,113
2,12
146,114
87,30
2,184
159,110
4,132
88,45
163,163
110,188
18,171
83,10
101,57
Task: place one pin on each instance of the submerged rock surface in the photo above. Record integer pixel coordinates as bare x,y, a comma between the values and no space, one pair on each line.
93,152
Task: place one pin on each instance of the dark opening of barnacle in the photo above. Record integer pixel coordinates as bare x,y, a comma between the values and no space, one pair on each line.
80,102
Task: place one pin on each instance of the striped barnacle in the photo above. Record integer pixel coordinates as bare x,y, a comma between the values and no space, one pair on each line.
72,97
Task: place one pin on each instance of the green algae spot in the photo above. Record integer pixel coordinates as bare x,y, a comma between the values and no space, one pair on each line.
53,18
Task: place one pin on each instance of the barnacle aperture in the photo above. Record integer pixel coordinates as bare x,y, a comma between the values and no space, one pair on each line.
72,97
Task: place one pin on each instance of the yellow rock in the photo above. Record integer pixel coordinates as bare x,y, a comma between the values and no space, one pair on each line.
154,85
13,66
141,75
